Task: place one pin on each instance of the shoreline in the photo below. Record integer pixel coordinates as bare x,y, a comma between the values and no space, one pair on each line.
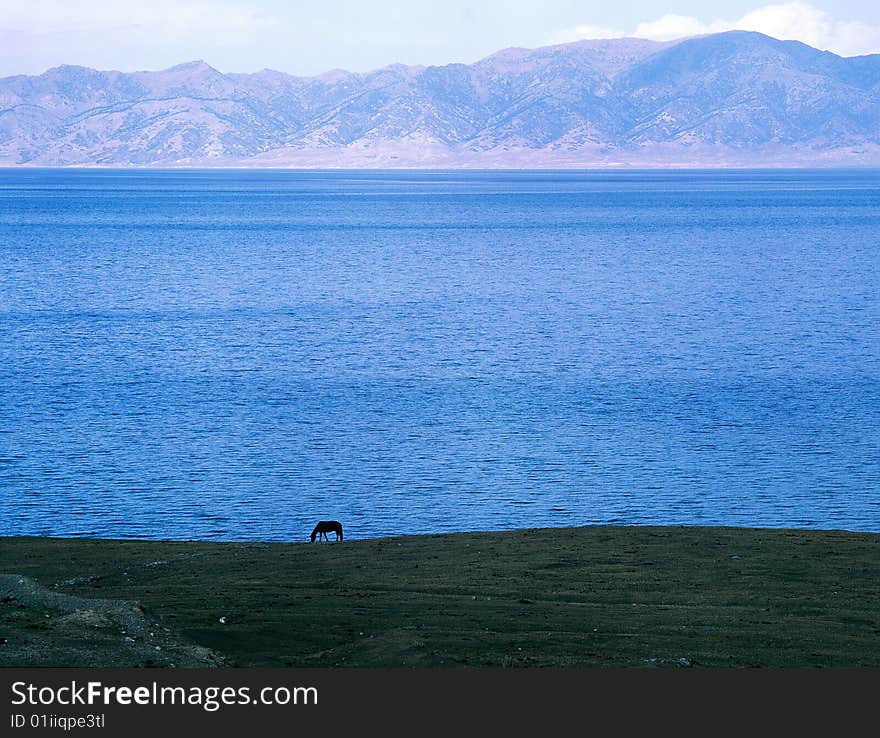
390,536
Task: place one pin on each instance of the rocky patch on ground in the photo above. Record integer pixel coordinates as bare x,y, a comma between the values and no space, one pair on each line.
43,627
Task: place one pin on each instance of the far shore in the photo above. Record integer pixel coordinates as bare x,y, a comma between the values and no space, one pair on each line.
599,596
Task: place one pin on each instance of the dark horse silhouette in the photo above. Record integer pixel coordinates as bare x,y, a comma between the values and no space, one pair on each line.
327,526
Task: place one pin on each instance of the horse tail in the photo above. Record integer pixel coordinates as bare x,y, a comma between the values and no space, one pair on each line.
340,531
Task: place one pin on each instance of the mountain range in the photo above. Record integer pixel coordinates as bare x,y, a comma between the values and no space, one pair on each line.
729,99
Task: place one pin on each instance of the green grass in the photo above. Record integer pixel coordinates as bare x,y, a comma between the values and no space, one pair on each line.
572,597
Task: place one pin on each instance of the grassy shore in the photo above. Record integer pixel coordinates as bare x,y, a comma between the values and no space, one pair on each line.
571,597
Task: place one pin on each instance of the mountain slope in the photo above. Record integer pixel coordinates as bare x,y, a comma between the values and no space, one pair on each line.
723,99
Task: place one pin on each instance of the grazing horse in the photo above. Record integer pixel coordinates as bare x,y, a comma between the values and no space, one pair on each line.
327,526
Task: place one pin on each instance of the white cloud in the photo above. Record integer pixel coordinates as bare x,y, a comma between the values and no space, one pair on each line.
586,32
670,27
815,27
788,21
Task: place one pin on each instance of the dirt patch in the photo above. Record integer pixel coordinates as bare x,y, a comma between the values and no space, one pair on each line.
42,627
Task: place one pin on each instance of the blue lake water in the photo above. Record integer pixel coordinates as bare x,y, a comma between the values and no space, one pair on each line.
237,354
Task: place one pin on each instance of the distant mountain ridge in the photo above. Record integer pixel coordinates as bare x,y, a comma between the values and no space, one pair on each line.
730,99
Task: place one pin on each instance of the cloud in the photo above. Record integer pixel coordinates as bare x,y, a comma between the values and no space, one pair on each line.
788,21
670,27
586,32
815,27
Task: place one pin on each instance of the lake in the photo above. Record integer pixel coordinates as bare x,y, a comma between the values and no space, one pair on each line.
234,355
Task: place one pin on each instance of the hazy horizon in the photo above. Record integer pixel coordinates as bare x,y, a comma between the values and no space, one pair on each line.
306,39
199,61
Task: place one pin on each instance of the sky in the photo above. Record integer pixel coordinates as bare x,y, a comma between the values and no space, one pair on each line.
307,38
